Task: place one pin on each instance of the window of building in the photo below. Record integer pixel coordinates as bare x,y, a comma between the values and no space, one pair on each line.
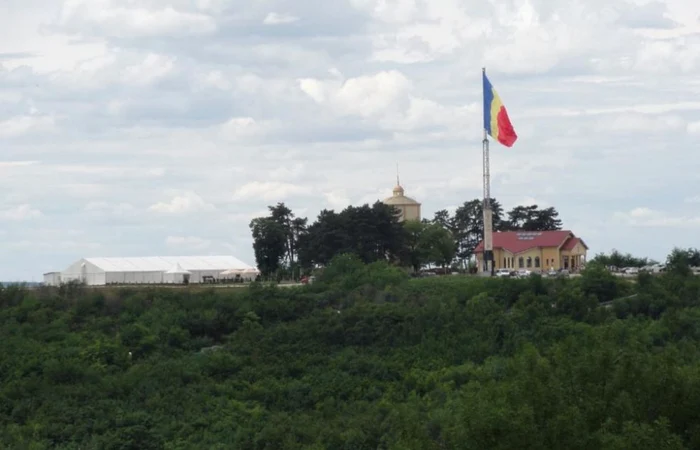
521,262
505,262
537,261
529,262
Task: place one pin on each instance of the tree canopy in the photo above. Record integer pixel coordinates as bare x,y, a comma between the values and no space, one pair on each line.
365,358
283,241
619,259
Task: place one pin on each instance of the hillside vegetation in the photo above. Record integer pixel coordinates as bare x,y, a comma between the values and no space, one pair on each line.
363,359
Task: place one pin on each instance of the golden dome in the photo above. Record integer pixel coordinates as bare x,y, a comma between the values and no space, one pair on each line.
399,199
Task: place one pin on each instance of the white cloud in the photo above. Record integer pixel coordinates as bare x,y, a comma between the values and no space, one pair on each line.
241,128
20,213
105,172
187,242
694,128
11,164
23,125
274,18
387,97
244,218
269,191
364,96
647,217
120,209
641,123
188,202
152,68
337,200
288,172
217,79
114,18
53,246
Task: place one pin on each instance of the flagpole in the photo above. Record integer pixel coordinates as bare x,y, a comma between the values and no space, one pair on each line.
488,268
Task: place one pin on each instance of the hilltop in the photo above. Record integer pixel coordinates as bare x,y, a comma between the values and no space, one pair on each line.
363,359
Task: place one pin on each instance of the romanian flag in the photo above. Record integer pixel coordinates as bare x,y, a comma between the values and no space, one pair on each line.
496,121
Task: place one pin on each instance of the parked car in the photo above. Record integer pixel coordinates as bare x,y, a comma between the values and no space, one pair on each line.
523,273
558,273
503,273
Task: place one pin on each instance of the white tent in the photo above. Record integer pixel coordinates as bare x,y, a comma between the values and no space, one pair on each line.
177,275
248,273
231,272
148,270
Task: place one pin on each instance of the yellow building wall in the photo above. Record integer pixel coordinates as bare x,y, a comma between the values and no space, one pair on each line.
408,212
535,255
498,258
551,258
411,212
577,256
548,257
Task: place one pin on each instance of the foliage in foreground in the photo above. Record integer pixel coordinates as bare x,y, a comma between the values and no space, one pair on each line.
363,359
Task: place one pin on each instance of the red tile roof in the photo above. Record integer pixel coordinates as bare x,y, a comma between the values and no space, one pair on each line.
571,243
520,241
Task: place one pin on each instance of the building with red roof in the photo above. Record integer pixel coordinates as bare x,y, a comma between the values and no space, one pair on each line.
535,250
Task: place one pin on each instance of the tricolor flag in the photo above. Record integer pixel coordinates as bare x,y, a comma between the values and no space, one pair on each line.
496,121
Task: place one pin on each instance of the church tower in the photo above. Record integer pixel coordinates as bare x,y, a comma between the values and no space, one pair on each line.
409,208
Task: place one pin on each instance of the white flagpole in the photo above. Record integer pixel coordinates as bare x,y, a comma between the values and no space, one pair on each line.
488,268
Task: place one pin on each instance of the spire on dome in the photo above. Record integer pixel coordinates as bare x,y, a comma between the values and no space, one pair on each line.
398,190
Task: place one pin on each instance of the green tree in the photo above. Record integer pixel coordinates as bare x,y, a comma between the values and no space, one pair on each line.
413,255
427,243
619,259
293,228
444,219
598,282
532,218
269,244
681,260
436,245
469,226
373,233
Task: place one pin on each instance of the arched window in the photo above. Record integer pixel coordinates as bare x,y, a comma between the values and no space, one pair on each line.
537,261
521,262
529,262
505,263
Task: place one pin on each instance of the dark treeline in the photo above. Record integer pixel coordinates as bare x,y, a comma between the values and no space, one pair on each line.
364,359
619,259
287,244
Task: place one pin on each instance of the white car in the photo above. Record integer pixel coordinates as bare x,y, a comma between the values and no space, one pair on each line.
503,273
524,273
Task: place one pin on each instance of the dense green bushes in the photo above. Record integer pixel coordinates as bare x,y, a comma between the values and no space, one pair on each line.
363,359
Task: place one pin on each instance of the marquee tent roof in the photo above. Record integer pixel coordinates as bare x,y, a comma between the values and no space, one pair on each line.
166,263
178,270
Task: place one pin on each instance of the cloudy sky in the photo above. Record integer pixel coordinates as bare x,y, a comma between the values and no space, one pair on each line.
151,127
